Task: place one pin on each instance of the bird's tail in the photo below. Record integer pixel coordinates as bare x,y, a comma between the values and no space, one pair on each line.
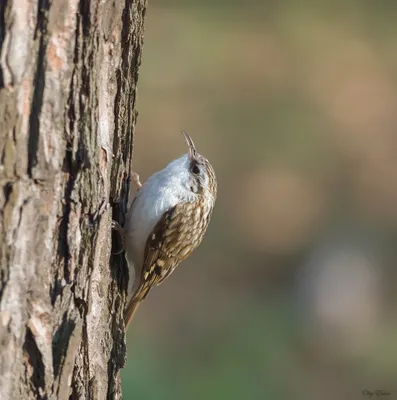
130,311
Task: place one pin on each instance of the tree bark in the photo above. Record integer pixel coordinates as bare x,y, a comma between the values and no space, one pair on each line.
68,74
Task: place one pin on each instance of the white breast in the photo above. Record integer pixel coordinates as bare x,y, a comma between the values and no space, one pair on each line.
162,191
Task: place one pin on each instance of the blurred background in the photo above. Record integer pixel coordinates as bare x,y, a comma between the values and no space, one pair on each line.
292,294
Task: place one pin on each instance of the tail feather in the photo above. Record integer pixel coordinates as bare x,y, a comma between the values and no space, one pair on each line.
130,311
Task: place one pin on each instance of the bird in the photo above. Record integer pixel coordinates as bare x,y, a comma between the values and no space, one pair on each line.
166,222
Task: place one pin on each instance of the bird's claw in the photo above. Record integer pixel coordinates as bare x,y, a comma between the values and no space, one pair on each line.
117,227
121,231
135,178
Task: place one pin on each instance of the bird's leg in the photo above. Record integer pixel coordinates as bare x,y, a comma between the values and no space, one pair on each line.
115,225
135,178
121,231
118,228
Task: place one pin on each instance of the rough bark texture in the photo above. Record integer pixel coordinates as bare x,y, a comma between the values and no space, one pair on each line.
68,74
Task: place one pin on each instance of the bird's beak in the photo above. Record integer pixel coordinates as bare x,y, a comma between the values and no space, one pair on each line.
192,148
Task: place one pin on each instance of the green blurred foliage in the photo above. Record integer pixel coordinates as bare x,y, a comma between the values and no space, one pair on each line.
231,370
294,104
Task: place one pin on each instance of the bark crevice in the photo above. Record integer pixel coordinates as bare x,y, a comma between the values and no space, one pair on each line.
35,364
38,84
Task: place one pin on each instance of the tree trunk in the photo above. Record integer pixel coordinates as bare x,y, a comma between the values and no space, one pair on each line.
68,74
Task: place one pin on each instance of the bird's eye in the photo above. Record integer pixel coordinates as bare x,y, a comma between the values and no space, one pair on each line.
195,169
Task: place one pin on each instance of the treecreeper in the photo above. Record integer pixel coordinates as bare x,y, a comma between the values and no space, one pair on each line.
167,220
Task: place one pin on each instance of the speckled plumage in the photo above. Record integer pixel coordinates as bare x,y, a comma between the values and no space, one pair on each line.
167,221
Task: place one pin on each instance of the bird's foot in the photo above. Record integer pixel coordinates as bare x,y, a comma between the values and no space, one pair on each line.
117,227
121,231
135,178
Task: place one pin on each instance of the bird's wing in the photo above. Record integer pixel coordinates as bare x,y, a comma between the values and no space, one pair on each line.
171,241
161,251
159,261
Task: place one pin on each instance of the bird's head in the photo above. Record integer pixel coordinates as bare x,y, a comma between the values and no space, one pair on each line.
201,174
